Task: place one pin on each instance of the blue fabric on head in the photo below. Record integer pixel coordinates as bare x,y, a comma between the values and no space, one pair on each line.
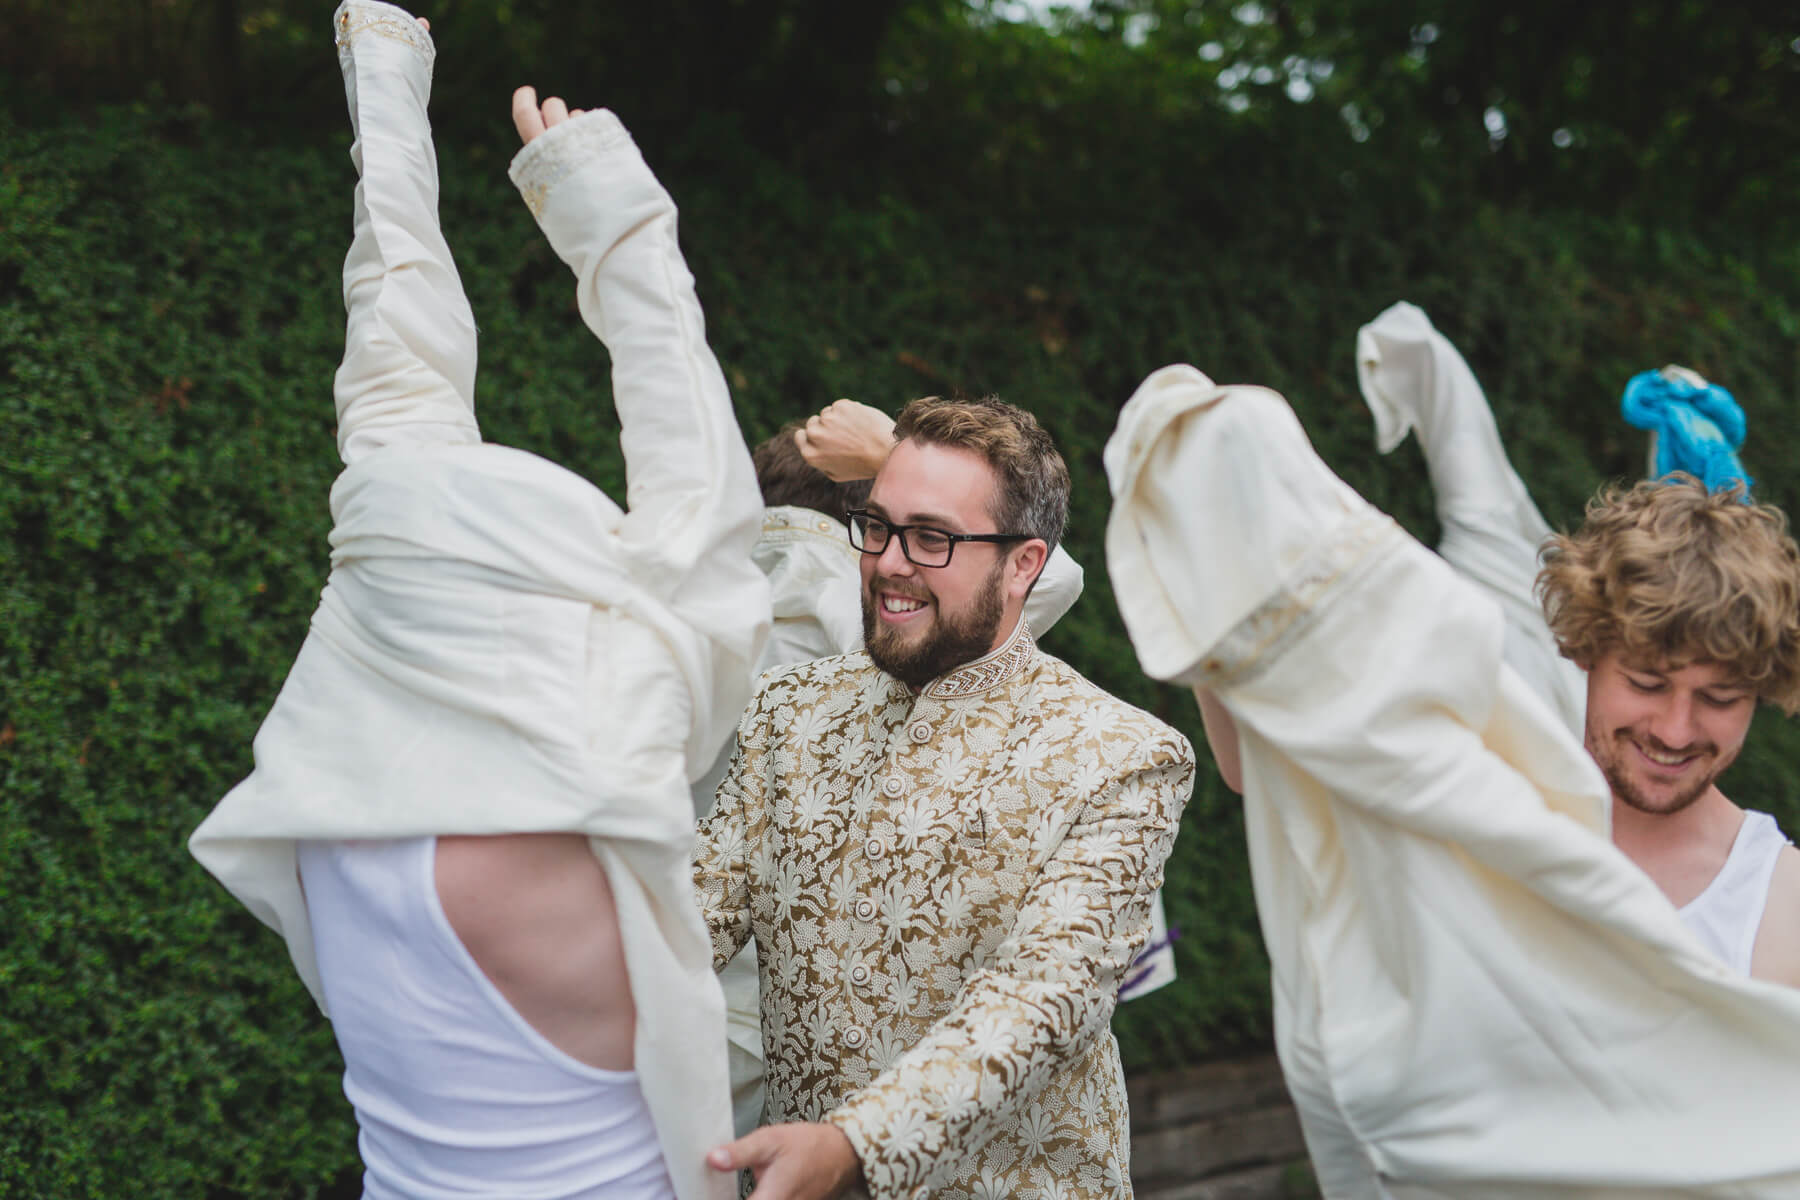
1698,427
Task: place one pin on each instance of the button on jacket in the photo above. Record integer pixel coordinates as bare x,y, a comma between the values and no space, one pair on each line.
946,889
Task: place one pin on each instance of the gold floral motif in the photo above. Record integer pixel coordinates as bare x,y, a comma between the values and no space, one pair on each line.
944,922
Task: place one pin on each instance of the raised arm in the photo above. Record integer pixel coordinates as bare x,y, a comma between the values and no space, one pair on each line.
693,509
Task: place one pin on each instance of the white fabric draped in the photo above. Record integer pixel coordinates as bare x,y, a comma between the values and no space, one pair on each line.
500,648
1476,995
1413,378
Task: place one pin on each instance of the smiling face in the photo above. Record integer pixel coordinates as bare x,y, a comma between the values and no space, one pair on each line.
1661,735
921,622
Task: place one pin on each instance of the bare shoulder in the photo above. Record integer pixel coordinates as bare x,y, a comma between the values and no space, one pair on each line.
1777,955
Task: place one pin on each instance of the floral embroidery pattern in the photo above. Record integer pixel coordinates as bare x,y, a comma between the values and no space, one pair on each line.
946,890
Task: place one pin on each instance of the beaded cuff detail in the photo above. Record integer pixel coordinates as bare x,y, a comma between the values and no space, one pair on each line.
554,154
356,19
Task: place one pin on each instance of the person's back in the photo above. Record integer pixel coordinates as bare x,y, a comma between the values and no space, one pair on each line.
468,814
478,992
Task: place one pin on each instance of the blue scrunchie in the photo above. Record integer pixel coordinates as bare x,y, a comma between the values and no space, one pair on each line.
1698,427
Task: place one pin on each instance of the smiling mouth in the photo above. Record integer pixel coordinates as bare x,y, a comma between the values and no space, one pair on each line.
900,605
1664,758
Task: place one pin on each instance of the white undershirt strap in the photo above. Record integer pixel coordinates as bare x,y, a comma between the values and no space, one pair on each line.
456,1095
1728,913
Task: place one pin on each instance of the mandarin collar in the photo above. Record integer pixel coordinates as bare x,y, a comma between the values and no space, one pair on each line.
991,670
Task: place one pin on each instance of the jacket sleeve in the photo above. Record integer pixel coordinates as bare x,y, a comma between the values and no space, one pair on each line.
693,509
729,837
1048,993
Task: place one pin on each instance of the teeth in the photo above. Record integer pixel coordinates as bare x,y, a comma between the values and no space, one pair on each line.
1667,760
898,604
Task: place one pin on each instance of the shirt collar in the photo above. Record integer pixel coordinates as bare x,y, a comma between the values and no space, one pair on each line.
991,670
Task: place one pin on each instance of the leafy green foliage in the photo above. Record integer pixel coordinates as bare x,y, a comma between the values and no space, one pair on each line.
1043,218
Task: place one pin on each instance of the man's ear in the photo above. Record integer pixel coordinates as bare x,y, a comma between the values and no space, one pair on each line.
1028,559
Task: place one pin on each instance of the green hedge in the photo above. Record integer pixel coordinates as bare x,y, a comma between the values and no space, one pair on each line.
169,322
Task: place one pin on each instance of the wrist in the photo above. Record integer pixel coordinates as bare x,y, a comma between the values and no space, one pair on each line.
847,1169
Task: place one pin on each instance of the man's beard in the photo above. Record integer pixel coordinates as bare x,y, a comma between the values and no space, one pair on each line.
951,642
1625,789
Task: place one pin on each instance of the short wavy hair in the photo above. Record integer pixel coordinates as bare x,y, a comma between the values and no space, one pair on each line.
1667,572
1033,493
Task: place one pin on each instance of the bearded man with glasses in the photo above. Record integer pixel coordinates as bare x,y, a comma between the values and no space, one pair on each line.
946,847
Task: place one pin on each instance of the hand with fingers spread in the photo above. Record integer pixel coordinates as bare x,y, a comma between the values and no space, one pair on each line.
531,119
847,440
795,1161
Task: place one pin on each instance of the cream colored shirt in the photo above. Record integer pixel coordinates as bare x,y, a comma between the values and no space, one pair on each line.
1476,994
501,648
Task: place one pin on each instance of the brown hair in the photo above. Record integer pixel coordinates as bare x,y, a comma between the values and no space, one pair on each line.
785,477
1033,493
1667,572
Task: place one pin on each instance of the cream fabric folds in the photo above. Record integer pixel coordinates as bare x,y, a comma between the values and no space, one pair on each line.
1475,994
1413,378
499,647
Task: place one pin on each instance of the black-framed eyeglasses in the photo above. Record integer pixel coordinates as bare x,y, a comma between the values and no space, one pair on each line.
923,545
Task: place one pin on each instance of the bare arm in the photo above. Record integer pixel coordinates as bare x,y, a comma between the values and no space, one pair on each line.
1221,739
1777,954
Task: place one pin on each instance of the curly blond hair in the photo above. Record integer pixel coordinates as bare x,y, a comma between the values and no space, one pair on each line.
1669,573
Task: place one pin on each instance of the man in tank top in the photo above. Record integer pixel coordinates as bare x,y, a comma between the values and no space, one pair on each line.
1682,606
469,812
1476,994
1733,875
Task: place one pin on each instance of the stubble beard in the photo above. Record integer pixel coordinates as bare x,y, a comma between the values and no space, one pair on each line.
1611,761
951,642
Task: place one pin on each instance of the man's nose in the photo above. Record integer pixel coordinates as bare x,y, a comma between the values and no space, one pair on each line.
892,560
1672,723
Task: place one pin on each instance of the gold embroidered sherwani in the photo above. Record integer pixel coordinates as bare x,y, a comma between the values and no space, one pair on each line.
947,887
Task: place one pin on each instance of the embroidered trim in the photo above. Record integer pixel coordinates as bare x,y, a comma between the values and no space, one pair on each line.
989,671
554,154
358,18
1246,646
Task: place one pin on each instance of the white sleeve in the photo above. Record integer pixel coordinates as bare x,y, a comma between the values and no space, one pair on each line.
1058,587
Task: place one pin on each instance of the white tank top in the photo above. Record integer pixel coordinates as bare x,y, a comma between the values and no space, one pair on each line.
455,1094
1728,913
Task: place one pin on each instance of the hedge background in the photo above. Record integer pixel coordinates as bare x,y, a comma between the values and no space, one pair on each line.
169,322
